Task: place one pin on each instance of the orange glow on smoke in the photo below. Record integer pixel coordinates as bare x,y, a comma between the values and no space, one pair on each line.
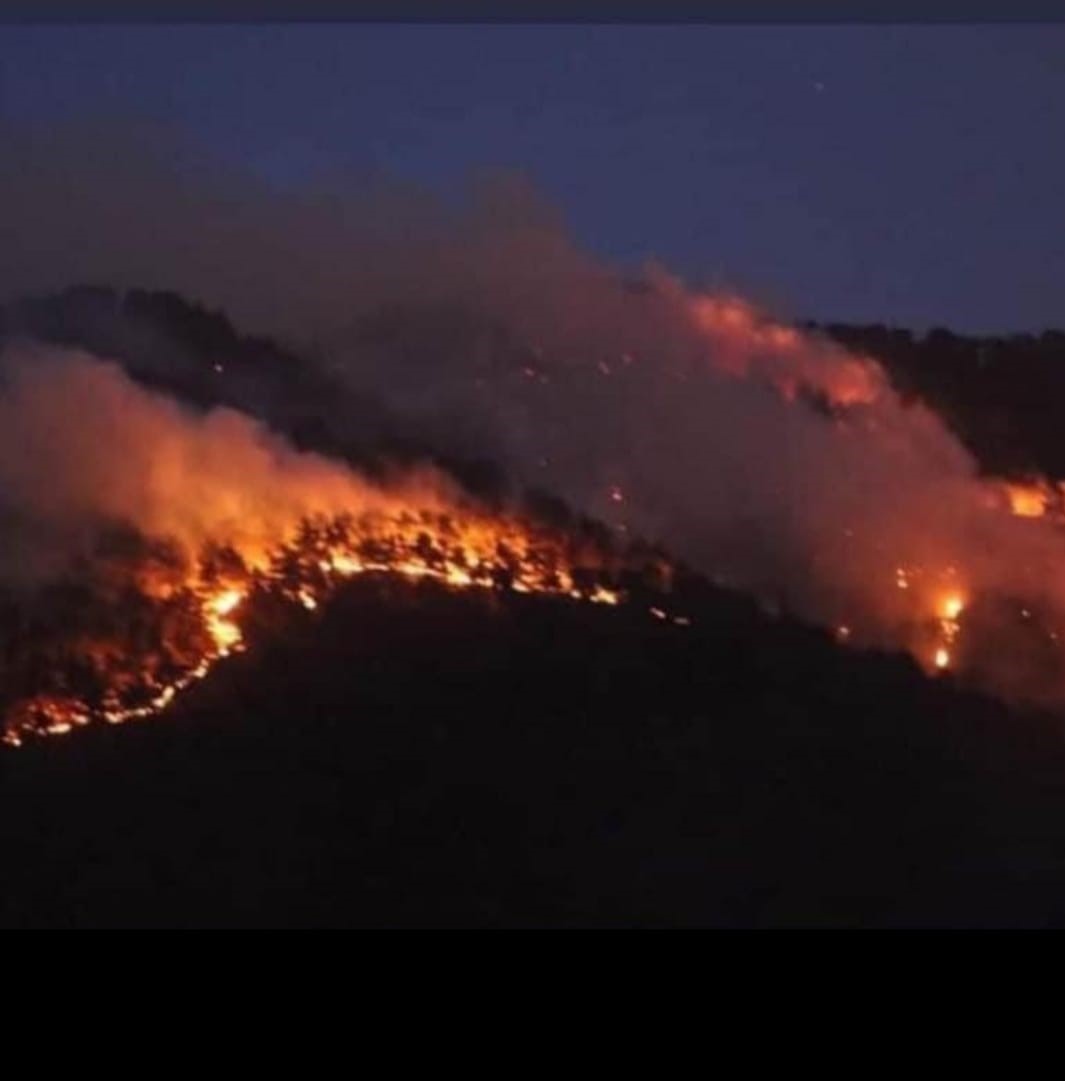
890,569
922,533
748,343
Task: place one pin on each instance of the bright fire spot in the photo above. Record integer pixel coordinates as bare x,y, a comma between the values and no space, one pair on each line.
952,607
223,630
225,602
1028,500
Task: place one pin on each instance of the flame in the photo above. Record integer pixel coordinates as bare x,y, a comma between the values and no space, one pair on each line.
466,549
897,576
950,609
1028,500
922,534
225,632
952,606
223,603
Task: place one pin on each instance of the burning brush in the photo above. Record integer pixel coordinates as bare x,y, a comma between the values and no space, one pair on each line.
135,633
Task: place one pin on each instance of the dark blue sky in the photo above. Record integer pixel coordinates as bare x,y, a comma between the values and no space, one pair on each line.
907,174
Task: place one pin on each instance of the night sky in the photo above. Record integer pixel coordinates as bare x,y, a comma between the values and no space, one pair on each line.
902,174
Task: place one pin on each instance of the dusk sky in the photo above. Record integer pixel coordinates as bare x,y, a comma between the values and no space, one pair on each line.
902,174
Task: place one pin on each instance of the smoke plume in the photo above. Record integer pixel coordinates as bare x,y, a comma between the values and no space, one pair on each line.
769,458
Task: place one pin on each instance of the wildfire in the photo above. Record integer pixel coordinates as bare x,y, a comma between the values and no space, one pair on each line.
941,501
461,551
1028,500
950,609
928,616
217,609
253,516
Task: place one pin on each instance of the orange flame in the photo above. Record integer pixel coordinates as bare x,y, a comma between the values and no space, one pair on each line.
464,550
1028,500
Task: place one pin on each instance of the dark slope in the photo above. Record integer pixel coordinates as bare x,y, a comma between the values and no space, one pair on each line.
414,757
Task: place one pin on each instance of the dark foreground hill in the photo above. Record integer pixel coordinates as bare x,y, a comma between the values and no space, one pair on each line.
415,757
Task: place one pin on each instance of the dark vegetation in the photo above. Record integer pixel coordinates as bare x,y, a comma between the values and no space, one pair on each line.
1003,396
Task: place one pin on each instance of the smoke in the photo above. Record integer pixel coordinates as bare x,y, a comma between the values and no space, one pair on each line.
769,458
83,448
137,206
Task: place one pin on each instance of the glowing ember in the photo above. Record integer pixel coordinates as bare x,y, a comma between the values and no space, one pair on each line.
748,341
942,658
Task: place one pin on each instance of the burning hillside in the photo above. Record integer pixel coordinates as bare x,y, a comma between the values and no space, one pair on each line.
132,636
161,530
142,535
981,566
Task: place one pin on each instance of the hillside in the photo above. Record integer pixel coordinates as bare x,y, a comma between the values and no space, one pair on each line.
411,756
